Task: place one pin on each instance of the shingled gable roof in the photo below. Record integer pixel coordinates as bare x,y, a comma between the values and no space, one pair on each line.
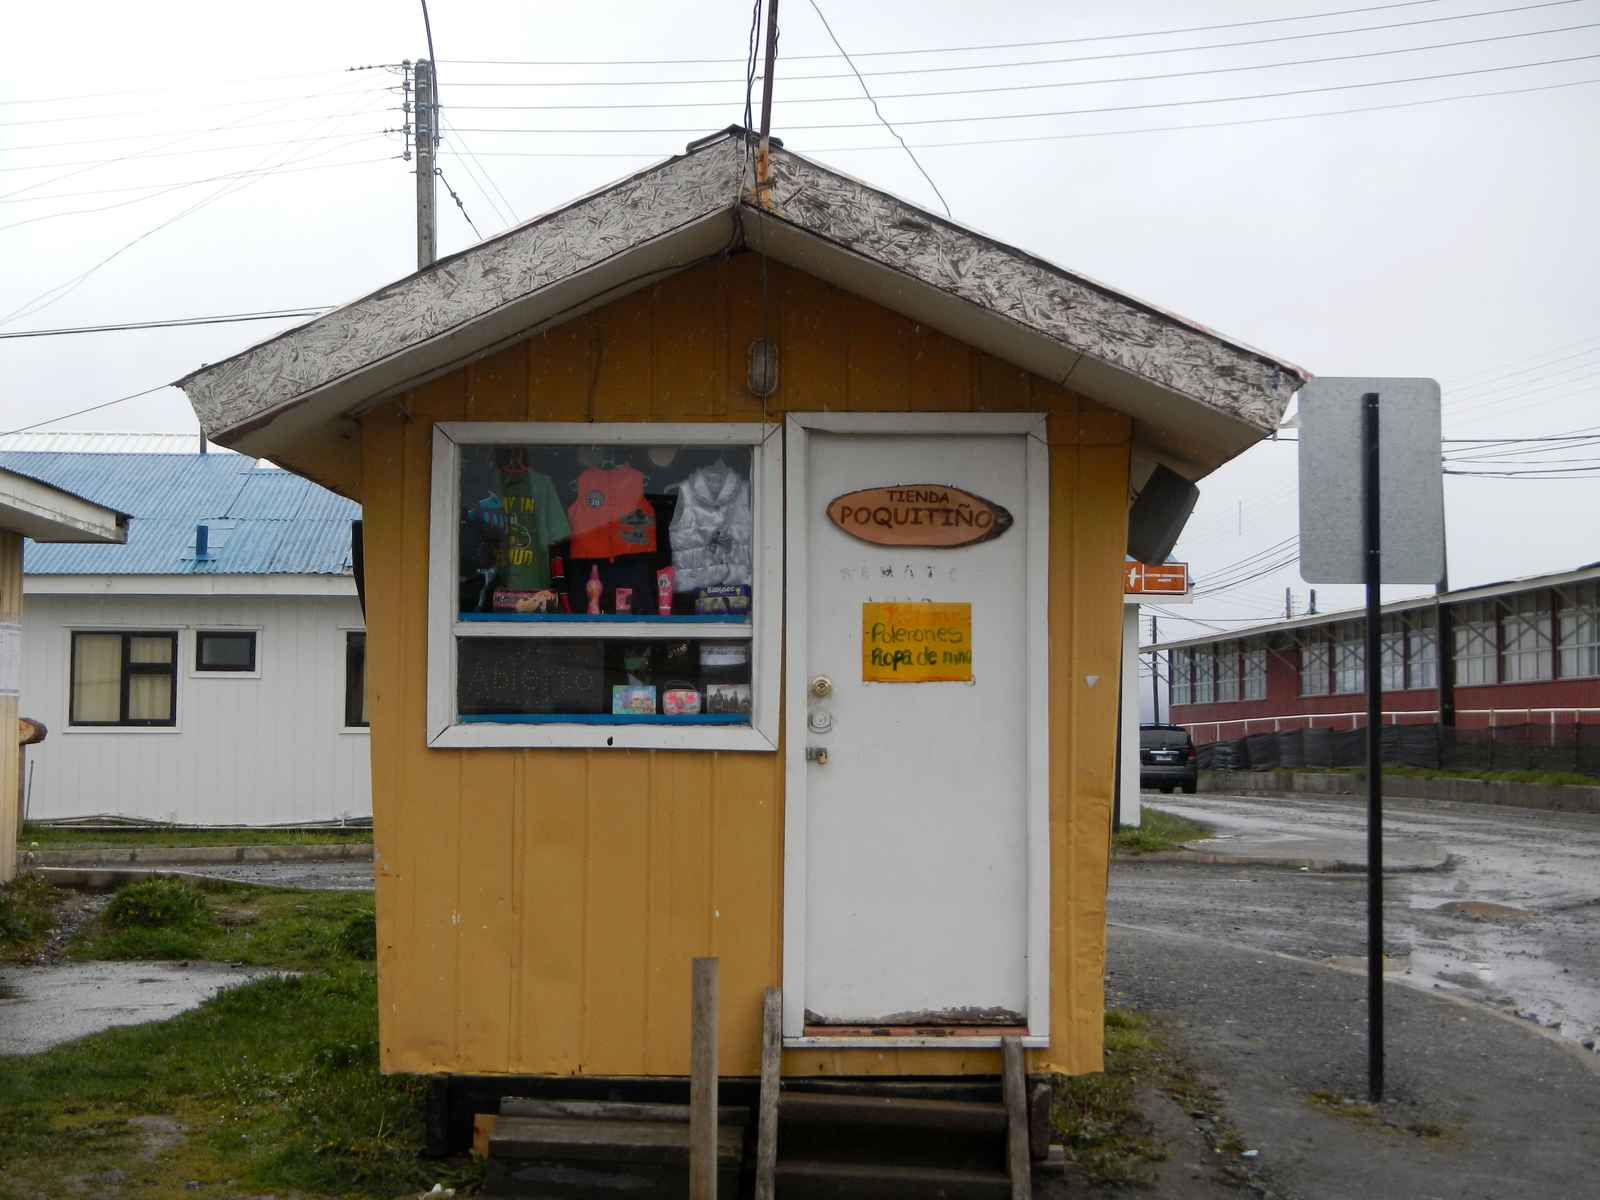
1198,398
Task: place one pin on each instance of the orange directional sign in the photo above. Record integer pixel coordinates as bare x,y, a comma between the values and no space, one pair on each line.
1163,579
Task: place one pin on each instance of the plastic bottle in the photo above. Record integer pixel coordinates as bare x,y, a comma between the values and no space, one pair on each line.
593,589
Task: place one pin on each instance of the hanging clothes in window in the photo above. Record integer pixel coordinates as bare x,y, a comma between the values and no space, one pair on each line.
712,529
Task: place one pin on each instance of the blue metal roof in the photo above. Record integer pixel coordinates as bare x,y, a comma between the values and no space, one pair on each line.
260,521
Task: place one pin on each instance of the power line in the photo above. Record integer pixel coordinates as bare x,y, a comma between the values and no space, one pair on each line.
1110,108
129,137
195,84
174,323
8,197
506,214
1034,87
1103,37
883,119
168,189
636,155
58,292
437,171
168,183
83,411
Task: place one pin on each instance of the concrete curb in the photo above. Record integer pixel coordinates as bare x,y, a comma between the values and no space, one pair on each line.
98,856
1207,858
1293,784
109,879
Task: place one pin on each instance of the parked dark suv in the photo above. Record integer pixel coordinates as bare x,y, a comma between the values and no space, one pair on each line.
1166,758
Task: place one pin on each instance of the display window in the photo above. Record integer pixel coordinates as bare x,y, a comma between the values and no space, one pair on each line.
621,580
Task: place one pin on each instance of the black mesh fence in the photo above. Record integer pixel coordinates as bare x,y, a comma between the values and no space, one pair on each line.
1531,747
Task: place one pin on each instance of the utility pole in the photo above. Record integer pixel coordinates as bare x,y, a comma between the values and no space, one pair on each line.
1288,604
763,153
1155,674
427,114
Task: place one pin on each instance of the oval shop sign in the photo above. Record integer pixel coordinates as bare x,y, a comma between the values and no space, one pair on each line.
919,514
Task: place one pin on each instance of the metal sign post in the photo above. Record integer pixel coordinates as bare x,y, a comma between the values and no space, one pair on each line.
1371,519
1373,544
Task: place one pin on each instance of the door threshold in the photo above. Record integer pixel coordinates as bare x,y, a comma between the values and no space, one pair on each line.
931,1037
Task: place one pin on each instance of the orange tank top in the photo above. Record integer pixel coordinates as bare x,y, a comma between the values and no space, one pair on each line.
611,517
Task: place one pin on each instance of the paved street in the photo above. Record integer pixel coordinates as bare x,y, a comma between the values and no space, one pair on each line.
1514,922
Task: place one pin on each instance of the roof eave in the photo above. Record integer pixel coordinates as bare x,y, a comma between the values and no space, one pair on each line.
47,513
1198,399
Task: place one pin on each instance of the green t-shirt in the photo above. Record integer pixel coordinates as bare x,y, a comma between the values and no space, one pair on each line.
535,518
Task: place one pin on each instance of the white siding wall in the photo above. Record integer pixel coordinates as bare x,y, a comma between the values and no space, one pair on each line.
246,750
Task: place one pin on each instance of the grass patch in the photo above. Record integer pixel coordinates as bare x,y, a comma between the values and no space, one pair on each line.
1157,831
274,1086
259,927
1107,1141
40,837
27,916
1098,1120
1371,1116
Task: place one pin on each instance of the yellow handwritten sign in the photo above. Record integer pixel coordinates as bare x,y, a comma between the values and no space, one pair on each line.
916,643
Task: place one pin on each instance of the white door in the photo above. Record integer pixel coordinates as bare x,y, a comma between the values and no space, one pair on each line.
918,875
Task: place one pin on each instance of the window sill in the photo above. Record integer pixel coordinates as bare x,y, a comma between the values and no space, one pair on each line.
571,735
122,729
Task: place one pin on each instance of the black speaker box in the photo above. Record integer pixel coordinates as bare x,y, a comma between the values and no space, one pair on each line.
1159,515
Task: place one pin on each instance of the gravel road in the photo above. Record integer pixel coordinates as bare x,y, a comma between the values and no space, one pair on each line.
1515,921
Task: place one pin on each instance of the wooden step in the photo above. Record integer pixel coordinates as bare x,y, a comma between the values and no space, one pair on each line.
589,1140
728,1115
878,1112
803,1180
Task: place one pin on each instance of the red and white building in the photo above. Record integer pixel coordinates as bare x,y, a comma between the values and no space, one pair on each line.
1525,651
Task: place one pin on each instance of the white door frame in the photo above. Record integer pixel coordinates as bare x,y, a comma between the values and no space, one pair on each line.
1036,697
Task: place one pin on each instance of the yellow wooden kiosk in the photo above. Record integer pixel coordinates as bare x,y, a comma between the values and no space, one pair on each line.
742,579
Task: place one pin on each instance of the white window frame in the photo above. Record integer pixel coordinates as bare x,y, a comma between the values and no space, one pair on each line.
1349,658
1253,682
192,652
1229,678
1527,638
764,630
1422,651
1316,651
1580,632
1180,677
344,679
1476,648
183,646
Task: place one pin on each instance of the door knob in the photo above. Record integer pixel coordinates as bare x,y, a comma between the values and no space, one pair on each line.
818,755
821,687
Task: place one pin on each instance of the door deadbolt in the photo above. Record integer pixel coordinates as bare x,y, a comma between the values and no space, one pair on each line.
818,755
821,687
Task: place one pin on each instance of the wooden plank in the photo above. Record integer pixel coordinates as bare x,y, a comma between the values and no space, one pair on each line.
482,1131
885,1111
746,838
554,866
703,1081
613,1110
618,901
1018,1162
610,1141
681,870
767,1109
1039,1101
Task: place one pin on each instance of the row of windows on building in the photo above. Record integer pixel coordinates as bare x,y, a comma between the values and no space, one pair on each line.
130,677
1525,638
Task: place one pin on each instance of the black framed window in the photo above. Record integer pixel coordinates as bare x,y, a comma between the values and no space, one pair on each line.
225,650
355,680
124,678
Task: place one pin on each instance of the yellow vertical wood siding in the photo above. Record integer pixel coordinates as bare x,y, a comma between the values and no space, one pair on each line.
10,752
537,909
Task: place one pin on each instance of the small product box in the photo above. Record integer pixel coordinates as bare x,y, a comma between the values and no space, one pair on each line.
723,599
680,702
728,698
633,700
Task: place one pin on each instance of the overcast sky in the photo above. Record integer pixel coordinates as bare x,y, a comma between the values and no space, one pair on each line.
1455,240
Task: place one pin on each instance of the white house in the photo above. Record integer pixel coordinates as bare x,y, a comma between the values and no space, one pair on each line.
210,670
